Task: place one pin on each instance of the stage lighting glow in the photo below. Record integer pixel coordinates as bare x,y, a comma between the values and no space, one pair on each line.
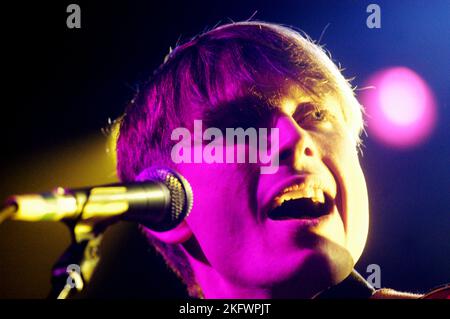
401,111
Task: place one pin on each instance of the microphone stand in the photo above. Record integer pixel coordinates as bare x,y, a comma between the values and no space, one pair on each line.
74,269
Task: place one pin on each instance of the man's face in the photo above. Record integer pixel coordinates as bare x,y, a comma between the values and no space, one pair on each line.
275,230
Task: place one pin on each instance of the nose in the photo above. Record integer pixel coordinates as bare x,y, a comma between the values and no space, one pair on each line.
295,143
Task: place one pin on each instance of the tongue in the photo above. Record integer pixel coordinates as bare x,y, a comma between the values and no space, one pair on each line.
297,209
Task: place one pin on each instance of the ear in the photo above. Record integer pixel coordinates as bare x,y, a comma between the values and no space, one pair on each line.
178,235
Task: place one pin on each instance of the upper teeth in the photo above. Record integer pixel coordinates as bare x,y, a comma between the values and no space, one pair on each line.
301,191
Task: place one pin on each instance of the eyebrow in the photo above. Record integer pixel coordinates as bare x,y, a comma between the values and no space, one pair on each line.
253,111
302,106
321,104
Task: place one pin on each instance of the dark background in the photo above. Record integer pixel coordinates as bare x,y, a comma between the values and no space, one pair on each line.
61,85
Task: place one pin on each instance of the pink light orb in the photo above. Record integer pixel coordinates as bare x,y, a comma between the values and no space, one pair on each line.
400,109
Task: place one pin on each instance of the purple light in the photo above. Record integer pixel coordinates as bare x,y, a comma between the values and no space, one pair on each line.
401,111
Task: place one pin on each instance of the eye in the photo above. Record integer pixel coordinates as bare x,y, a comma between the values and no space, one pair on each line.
318,115
313,115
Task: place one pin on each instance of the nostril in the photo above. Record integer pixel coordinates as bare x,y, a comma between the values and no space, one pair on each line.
308,151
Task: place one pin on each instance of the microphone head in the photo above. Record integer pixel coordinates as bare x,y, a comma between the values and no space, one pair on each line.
181,196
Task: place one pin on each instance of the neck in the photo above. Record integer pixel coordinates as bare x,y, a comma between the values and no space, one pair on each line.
215,286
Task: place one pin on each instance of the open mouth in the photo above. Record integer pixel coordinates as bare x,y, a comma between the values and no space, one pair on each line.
301,203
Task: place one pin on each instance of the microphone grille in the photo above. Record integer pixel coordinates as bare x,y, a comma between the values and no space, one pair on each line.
181,196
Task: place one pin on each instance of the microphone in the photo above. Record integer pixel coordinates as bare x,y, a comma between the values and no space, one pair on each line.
160,199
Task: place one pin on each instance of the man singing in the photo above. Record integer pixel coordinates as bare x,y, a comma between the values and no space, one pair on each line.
294,232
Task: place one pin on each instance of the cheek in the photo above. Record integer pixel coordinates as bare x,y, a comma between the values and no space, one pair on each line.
357,211
209,186
342,160
222,208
